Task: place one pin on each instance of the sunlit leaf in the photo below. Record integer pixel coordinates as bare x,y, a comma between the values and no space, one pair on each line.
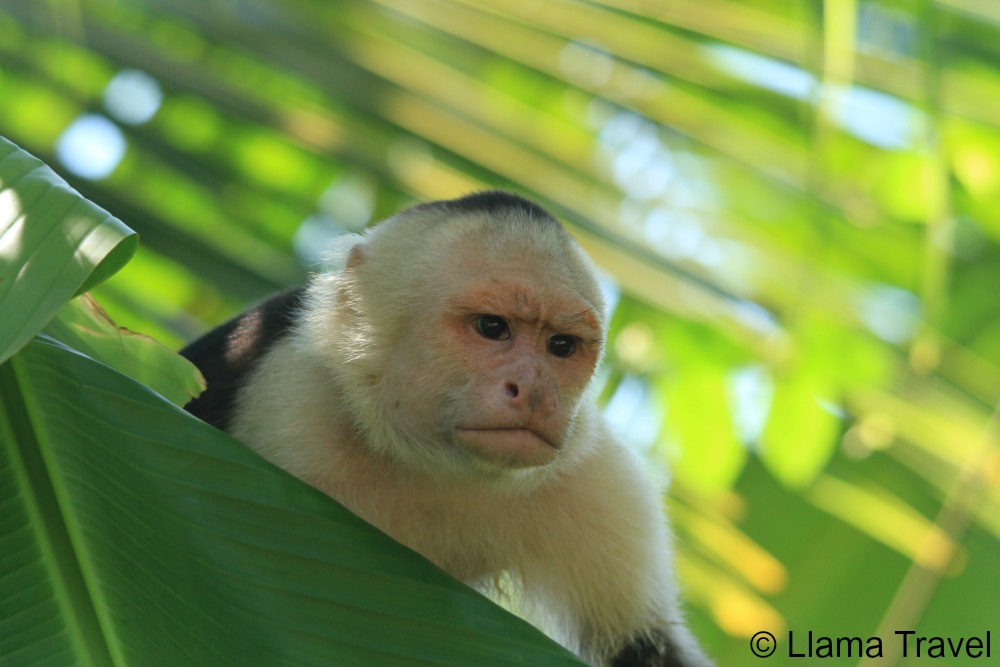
799,438
886,519
53,245
735,606
740,554
700,420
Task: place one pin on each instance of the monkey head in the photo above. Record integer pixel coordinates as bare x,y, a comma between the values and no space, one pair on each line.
464,335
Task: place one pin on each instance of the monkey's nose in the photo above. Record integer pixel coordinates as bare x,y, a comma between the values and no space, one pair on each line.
529,396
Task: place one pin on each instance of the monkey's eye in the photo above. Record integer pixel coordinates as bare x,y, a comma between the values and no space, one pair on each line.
562,345
492,327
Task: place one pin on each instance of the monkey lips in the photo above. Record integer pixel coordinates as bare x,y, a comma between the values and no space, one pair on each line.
515,447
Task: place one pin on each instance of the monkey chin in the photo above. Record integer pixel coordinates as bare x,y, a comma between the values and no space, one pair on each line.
511,448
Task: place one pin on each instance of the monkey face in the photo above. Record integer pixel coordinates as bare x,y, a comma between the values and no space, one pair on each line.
466,341
500,372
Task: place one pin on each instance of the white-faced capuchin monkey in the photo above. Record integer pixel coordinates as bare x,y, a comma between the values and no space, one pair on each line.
437,386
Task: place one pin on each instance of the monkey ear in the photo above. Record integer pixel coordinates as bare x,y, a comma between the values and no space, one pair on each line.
357,257
348,286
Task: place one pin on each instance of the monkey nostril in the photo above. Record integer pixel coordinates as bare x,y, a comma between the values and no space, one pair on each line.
512,390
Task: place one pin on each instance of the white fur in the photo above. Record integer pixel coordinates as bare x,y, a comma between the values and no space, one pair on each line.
582,539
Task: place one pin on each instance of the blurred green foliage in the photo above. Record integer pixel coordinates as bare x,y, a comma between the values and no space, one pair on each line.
798,205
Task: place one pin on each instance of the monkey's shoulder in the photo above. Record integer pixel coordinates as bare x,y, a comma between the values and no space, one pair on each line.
226,355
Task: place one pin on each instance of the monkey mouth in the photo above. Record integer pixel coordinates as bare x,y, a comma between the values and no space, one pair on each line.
516,446
515,430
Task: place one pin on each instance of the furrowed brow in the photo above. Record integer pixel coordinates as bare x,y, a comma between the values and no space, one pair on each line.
583,323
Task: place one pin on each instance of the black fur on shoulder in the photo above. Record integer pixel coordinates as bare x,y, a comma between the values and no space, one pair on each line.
227,353
656,651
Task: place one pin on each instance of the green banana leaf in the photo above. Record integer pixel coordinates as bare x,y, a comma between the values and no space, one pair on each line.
84,326
54,245
133,533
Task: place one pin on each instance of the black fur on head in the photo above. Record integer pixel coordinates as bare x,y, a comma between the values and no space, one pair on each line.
492,202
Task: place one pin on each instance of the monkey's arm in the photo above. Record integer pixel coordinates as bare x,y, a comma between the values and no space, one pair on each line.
226,354
607,559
